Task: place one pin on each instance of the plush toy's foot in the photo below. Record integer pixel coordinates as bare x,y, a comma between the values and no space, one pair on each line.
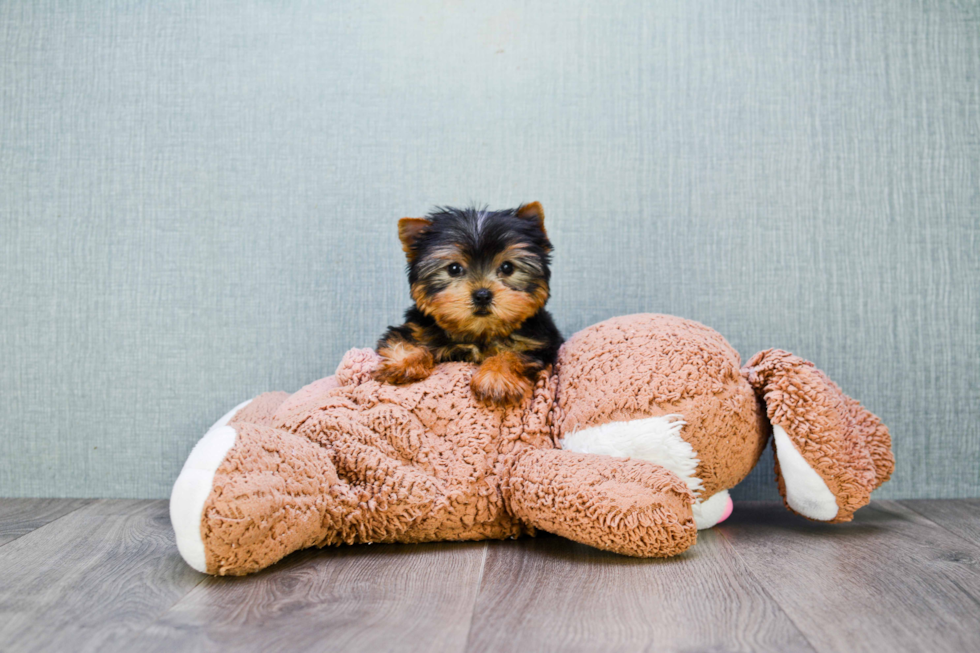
630,507
251,494
272,495
831,453
194,484
713,510
657,440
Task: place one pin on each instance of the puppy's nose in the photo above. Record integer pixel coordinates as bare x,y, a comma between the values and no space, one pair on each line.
482,297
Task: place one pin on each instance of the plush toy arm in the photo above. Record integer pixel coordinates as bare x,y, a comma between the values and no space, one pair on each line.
830,451
627,506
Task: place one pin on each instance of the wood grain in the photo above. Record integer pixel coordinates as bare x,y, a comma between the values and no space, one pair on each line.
961,516
550,594
88,580
106,576
360,598
18,517
891,580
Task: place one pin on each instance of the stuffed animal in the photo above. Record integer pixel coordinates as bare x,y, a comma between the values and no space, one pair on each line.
630,445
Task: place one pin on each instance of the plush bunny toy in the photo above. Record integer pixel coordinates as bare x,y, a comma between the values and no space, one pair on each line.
630,445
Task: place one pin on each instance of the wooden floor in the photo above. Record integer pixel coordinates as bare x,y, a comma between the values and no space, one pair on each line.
79,575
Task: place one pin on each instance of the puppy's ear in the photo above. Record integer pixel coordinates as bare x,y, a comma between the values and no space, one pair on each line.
409,229
533,211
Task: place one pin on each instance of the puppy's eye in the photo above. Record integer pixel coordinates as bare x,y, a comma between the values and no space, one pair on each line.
506,269
455,270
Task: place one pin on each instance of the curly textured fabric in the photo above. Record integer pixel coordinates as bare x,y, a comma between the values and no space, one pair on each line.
348,460
361,461
620,505
842,441
680,367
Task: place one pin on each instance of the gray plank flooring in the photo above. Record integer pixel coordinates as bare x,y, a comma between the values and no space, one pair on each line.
551,594
891,580
363,598
87,581
961,517
21,516
106,576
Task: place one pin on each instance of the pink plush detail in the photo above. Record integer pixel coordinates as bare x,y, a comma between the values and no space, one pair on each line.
728,511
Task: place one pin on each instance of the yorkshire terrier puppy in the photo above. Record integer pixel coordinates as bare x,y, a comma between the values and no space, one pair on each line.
479,280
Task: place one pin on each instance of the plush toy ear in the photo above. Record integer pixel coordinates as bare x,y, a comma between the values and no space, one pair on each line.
409,229
831,452
533,211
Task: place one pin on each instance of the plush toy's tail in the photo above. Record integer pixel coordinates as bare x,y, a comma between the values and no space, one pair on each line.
830,451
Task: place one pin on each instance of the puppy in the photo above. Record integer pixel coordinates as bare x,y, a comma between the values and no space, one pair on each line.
479,280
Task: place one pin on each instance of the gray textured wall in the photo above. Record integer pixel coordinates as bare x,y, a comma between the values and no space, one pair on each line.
198,201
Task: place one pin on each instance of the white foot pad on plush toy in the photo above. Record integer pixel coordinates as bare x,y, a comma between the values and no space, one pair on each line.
713,510
193,486
806,491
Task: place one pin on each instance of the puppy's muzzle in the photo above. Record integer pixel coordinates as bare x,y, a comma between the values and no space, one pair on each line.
482,298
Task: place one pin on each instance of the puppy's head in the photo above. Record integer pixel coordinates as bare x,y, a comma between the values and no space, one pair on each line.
478,273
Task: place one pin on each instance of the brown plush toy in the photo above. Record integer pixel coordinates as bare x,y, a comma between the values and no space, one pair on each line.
630,445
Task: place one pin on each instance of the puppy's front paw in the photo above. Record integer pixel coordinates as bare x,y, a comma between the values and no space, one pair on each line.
501,380
403,363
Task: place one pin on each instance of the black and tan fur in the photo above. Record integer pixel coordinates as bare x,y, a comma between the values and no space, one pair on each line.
479,280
